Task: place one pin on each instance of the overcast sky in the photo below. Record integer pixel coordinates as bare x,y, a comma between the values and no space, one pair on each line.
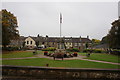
79,18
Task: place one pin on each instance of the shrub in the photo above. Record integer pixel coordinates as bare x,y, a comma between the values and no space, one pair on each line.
11,48
24,48
97,51
93,51
115,52
34,52
45,53
75,54
49,49
73,50
88,50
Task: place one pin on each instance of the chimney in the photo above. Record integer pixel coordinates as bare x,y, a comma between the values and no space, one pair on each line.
46,36
80,39
38,35
88,37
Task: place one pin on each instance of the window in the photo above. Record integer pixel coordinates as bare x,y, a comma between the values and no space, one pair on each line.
31,42
70,43
27,42
79,44
75,44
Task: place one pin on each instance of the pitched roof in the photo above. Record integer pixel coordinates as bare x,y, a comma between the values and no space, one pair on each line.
57,39
101,46
86,40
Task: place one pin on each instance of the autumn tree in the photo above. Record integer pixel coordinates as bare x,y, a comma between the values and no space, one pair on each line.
95,42
9,27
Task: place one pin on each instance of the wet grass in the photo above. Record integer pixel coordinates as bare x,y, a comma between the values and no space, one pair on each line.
103,57
59,63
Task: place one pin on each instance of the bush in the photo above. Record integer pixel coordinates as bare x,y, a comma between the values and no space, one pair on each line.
93,51
45,53
73,50
24,48
115,52
97,51
75,54
88,50
11,48
34,52
49,49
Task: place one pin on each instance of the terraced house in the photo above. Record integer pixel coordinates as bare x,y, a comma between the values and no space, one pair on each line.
43,42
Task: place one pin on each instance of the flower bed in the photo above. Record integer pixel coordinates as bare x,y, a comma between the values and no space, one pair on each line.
45,52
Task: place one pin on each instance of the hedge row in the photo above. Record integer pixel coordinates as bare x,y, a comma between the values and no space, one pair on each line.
94,50
10,48
73,50
115,52
49,49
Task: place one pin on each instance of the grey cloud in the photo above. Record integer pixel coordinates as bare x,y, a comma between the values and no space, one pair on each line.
79,19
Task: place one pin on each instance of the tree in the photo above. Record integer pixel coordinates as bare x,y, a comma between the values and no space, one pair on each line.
114,35
37,43
9,27
104,40
86,45
95,42
23,44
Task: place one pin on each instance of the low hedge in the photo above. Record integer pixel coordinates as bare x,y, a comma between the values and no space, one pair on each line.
73,50
115,52
94,50
49,49
10,48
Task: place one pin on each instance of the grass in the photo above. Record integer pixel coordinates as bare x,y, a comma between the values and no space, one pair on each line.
103,57
0,55
94,56
20,54
17,54
58,63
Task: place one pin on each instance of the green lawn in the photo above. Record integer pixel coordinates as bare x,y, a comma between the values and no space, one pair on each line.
17,54
0,55
103,57
58,63
94,56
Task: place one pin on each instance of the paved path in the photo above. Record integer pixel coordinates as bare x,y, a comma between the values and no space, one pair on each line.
101,61
79,57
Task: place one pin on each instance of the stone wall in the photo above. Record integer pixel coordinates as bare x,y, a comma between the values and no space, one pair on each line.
32,72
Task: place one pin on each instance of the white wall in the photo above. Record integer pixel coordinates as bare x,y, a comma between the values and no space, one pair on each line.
29,39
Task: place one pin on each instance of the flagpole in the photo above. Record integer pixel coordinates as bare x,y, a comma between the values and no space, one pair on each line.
60,30
60,37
